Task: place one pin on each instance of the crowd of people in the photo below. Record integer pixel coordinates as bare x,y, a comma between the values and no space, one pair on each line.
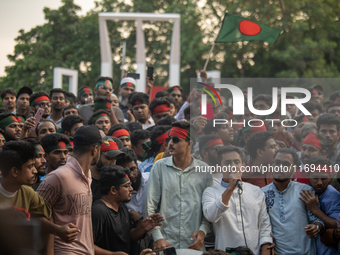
102,173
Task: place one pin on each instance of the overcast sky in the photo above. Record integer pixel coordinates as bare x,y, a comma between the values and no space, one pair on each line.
24,14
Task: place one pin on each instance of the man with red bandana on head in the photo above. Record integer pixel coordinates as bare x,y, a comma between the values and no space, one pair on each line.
139,106
40,100
296,132
121,132
312,146
159,108
56,151
11,125
176,181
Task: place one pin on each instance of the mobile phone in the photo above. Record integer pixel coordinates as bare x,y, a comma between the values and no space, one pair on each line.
37,117
150,73
165,251
133,75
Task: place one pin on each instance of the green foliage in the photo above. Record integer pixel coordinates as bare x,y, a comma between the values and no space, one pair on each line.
308,46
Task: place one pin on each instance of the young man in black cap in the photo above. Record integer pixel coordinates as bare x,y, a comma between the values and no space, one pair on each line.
23,103
68,191
108,155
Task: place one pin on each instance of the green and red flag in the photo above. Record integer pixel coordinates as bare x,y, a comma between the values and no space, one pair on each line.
235,28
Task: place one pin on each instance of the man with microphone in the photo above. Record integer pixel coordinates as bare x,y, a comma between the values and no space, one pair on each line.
237,210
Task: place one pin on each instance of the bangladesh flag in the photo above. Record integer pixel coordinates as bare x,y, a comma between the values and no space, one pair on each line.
235,28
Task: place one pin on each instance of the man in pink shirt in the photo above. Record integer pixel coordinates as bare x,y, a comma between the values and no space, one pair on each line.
68,192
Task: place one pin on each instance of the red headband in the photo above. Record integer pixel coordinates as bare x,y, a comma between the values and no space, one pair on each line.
42,98
121,132
109,146
179,132
255,129
280,137
313,140
72,143
160,108
215,142
161,139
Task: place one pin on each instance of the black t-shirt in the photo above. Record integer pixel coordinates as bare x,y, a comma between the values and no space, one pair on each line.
111,230
95,188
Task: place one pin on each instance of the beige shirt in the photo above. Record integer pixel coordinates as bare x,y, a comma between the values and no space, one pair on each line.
68,192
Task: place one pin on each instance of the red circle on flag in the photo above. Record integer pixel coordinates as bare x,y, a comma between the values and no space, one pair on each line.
19,119
86,90
15,119
62,145
248,27
108,82
104,114
129,84
175,88
108,105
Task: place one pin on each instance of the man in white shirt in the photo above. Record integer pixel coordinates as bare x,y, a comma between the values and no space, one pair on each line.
238,219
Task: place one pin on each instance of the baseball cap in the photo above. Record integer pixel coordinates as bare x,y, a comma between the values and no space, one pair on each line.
87,135
110,149
24,90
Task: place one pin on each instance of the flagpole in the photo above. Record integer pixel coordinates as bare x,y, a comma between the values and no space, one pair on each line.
212,47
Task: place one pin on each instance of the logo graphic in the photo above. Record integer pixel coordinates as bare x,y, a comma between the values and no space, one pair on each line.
204,98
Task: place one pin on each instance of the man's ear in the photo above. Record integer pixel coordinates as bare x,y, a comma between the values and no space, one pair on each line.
113,190
191,143
67,133
259,153
14,172
95,150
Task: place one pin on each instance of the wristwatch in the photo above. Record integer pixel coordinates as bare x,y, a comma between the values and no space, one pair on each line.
317,226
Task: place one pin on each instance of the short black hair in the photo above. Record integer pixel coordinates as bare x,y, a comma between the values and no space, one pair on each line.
319,160
206,138
133,126
332,105
138,96
226,149
102,99
89,122
291,152
71,106
171,89
57,90
128,156
157,131
38,94
162,93
8,91
15,154
70,95
45,120
328,119
167,120
53,139
116,127
171,101
263,97
182,124
311,106
257,141
31,140
108,175
69,121
158,101
138,135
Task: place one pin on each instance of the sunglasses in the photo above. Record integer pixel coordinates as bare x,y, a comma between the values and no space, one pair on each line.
106,88
175,140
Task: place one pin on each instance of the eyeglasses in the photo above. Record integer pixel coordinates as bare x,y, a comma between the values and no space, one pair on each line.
216,148
175,140
43,104
106,88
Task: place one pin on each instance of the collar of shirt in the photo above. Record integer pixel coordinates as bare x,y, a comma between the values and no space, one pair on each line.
77,168
7,193
289,184
170,162
225,184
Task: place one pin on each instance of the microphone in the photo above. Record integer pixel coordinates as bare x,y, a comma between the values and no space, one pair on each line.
239,185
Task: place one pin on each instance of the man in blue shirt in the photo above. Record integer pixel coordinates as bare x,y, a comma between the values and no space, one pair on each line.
326,203
294,227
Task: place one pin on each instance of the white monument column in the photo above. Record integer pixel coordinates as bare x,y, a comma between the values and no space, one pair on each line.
140,57
105,49
174,69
